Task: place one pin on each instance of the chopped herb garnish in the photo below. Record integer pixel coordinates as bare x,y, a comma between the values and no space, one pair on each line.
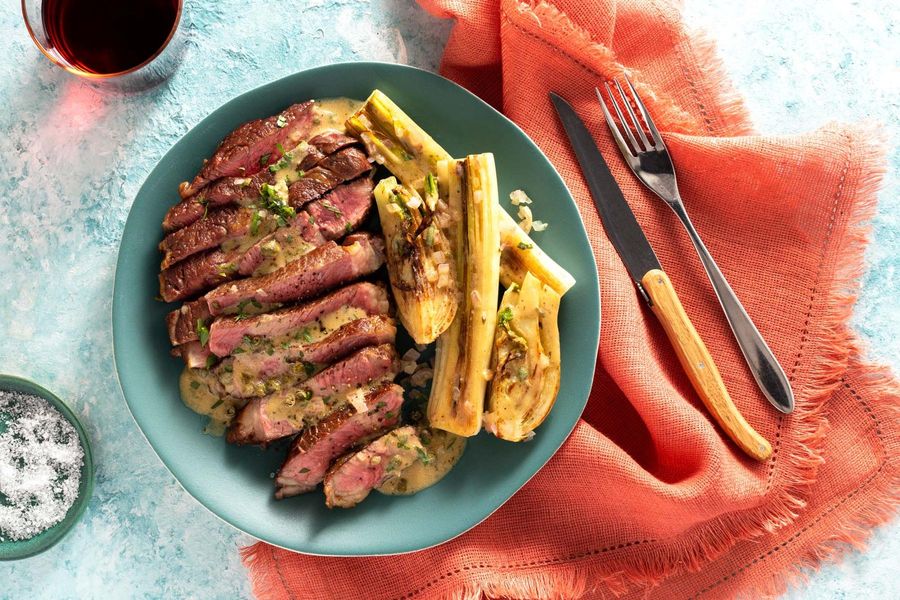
255,220
301,173
514,287
327,205
270,351
217,404
202,332
348,227
309,367
226,269
525,246
522,373
431,185
272,201
505,316
281,121
264,159
390,414
423,456
380,405
210,361
429,236
303,470
303,395
195,385
305,335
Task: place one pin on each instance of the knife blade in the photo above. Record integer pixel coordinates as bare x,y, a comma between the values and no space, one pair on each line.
618,221
643,266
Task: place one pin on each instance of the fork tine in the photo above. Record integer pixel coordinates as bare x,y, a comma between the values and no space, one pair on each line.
634,119
645,114
612,123
613,128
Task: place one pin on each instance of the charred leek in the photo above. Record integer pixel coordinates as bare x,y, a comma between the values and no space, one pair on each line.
419,261
526,360
520,255
413,156
462,362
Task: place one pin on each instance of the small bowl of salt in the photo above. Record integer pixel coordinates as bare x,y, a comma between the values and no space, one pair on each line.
46,471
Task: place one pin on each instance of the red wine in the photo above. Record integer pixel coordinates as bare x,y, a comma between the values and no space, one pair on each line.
108,36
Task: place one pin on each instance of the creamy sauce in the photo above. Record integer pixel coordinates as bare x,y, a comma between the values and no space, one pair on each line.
444,450
202,394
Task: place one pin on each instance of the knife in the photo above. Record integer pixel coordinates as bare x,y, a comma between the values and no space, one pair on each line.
654,285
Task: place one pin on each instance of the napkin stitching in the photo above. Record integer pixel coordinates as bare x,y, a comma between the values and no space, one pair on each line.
676,44
839,192
879,434
534,563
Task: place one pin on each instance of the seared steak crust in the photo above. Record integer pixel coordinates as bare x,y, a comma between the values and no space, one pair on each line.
341,166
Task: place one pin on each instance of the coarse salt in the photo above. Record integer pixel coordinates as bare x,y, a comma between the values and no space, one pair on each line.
40,465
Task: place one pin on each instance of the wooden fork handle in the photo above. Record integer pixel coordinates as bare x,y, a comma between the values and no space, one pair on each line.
699,365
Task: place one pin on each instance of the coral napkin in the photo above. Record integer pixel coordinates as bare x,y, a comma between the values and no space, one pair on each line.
647,497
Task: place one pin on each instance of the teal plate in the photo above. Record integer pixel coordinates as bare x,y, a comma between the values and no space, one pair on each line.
14,550
235,483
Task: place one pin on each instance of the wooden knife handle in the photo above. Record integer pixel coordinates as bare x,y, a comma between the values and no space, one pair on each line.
699,365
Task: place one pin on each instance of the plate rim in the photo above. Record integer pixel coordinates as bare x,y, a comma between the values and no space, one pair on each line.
256,90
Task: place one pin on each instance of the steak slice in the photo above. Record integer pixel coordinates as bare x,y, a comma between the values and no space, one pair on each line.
312,452
341,166
243,152
243,190
286,412
266,361
182,322
351,479
226,333
322,269
197,274
228,190
340,212
219,225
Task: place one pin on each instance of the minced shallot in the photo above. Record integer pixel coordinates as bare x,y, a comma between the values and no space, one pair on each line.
40,465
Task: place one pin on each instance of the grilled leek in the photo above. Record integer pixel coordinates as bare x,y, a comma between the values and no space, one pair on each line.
520,255
462,362
396,141
408,152
418,258
526,361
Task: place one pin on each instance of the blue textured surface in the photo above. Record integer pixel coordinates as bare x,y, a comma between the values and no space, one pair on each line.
73,159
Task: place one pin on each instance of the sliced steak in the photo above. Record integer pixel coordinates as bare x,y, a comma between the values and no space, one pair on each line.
338,213
343,208
324,144
219,225
341,166
243,152
197,274
228,190
313,451
322,269
286,412
226,333
244,190
351,479
194,355
266,361
331,217
182,322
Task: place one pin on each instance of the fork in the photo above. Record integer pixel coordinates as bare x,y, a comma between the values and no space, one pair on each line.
649,160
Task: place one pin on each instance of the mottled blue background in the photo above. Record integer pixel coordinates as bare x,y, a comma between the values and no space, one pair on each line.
73,158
